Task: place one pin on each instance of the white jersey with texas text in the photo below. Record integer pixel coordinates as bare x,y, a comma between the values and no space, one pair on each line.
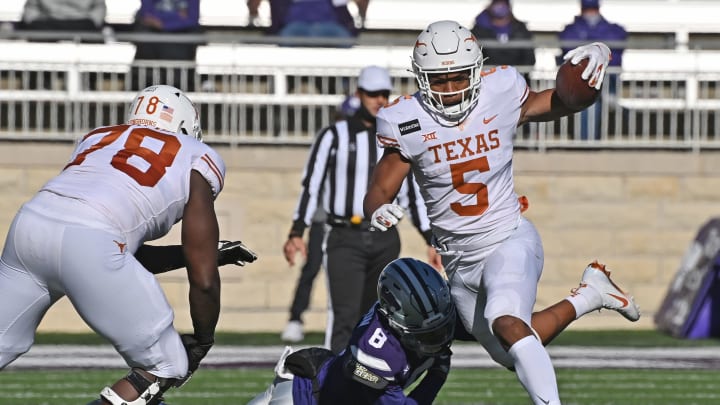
137,177
464,171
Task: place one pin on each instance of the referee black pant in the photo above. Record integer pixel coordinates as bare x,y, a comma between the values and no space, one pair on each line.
354,259
310,269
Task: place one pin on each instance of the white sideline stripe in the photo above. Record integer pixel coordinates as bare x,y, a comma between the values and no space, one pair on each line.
465,356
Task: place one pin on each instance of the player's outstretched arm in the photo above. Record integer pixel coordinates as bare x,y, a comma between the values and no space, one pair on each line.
161,259
575,88
427,389
234,252
386,181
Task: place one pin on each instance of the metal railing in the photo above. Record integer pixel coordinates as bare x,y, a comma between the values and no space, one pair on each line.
269,94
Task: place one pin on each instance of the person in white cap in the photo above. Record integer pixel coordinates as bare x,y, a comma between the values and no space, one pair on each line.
336,175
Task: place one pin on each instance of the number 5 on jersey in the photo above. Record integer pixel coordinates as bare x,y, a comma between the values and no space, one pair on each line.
457,171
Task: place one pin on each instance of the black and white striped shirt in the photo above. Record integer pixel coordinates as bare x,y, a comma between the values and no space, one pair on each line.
339,169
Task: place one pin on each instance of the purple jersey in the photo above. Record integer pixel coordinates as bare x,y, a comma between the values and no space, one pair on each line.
284,12
311,11
175,15
374,369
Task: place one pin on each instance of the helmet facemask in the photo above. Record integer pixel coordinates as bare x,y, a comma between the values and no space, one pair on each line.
447,47
432,340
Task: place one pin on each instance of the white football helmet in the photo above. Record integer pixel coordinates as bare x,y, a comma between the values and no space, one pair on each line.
165,107
444,47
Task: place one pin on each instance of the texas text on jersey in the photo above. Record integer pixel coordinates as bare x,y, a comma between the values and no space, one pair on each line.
469,163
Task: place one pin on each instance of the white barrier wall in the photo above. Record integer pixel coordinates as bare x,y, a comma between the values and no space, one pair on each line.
271,94
635,211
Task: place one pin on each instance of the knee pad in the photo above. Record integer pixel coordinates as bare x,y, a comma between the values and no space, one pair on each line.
149,390
166,357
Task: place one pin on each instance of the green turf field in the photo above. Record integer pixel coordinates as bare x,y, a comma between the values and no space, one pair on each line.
624,338
464,386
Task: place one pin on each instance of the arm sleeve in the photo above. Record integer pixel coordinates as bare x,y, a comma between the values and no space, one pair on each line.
426,391
160,259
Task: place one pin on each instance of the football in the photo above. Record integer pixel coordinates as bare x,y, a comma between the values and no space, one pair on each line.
571,88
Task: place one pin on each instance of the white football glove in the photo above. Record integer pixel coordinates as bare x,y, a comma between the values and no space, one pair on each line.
386,216
599,57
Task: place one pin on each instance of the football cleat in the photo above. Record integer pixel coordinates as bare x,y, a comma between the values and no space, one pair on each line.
613,297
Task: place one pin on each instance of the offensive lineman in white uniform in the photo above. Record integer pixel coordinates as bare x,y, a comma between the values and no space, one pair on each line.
456,134
124,185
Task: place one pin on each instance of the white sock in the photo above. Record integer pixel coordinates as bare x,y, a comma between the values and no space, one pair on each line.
585,300
535,371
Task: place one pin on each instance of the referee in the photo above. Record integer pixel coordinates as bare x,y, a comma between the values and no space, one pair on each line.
337,175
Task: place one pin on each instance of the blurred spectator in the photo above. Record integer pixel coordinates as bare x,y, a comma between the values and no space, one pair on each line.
591,26
165,17
311,18
587,27
311,23
63,15
497,22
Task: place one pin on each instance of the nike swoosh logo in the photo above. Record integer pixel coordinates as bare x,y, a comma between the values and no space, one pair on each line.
544,401
487,120
621,299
